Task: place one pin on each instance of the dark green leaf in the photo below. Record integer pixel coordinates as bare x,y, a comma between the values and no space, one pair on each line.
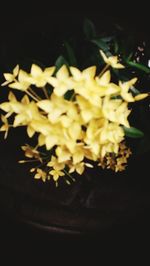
133,132
138,66
107,39
70,54
93,59
129,56
116,47
121,76
101,44
60,62
89,29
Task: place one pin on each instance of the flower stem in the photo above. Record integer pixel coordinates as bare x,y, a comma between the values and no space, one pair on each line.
32,96
45,92
28,161
34,93
68,175
103,71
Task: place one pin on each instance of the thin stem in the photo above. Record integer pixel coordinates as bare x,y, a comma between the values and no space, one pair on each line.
31,95
103,71
72,97
28,161
68,174
45,92
34,93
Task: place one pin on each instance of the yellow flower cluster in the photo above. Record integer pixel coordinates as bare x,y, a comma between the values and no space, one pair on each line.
81,128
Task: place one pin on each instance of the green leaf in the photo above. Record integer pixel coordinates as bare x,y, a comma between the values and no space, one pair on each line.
116,47
89,29
107,38
101,44
70,54
133,132
138,66
129,56
60,62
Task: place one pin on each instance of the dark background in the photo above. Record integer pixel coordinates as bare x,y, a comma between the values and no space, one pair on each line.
22,25
27,27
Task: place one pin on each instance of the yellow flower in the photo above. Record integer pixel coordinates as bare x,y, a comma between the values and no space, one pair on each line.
94,127
41,140
51,141
50,135
75,153
85,75
115,110
54,107
63,154
105,86
56,174
92,138
55,164
31,152
23,82
78,154
125,87
7,107
79,167
74,131
42,126
65,121
11,77
73,111
85,84
62,82
112,133
39,77
5,126
105,79
110,137
109,148
87,126
26,113
127,95
102,136
91,92
141,96
40,174
111,61
88,111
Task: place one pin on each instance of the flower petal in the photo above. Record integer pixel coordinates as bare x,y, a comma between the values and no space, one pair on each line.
35,71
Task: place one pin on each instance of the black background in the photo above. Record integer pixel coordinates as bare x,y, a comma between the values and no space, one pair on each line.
21,19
